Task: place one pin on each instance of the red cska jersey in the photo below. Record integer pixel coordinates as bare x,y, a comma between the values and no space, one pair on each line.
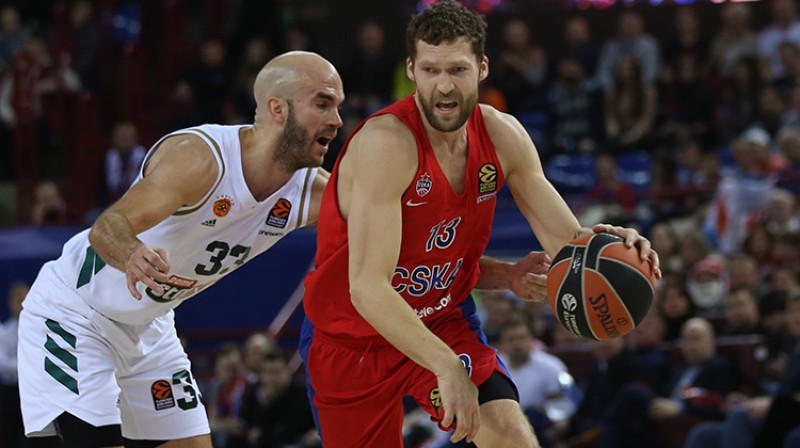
444,235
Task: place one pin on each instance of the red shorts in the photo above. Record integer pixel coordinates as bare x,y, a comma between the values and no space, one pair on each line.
356,388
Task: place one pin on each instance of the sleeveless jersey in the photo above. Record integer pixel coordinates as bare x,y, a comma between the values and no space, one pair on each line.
444,234
206,241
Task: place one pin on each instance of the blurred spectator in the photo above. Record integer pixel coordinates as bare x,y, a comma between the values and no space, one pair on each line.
630,107
790,59
689,158
11,430
226,398
771,109
572,105
86,40
122,164
743,423
298,37
210,82
256,54
612,200
708,282
741,314
8,121
578,44
256,347
615,367
740,199
521,67
367,76
646,342
784,28
688,41
489,93
542,380
743,272
735,40
49,207
789,144
698,389
753,154
674,307
785,280
685,99
737,103
37,75
13,35
276,409
693,248
631,41
664,241
497,309
781,214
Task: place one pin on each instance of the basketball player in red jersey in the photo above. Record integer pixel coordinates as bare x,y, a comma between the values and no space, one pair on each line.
403,223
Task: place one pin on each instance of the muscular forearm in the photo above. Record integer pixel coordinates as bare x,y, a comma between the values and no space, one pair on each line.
393,318
113,239
496,275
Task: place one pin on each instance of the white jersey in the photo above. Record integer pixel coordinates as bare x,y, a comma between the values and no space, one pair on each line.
206,241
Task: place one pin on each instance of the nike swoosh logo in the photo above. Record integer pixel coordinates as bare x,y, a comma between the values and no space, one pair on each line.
414,204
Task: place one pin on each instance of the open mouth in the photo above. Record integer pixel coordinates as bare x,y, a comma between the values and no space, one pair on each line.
324,141
446,106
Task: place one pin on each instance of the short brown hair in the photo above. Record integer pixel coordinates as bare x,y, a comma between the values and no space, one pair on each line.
446,21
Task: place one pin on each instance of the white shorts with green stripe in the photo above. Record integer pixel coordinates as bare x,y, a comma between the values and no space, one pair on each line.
73,359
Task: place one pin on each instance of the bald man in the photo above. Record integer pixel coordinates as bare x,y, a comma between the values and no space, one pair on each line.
99,359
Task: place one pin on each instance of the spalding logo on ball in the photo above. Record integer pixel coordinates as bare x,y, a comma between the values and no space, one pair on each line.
600,288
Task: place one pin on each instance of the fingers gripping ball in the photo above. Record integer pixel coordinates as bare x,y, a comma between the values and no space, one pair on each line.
600,288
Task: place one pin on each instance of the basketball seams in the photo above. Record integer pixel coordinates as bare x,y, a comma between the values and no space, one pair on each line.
638,272
582,303
617,297
574,274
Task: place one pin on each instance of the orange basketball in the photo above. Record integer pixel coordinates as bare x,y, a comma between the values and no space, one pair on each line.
599,288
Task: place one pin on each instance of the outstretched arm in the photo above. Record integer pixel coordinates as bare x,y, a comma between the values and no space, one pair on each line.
548,215
381,160
179,173
527,278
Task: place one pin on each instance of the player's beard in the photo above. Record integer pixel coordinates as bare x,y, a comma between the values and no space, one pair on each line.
294,145
465,108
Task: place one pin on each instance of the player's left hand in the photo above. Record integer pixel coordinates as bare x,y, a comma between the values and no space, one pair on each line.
633,239
529,281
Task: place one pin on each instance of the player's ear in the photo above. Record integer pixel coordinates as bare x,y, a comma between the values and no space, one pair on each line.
410,69
278,109
484,70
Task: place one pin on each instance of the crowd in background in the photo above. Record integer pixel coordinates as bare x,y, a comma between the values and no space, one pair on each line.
711,114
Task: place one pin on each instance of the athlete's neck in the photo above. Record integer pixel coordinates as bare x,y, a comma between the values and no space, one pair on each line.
262,175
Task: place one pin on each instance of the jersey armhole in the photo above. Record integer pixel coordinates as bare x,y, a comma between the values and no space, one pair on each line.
215,149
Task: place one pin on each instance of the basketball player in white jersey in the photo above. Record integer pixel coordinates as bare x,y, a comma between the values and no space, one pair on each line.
98,365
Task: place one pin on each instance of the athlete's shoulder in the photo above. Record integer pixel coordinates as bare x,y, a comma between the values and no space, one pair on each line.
385,128
502,127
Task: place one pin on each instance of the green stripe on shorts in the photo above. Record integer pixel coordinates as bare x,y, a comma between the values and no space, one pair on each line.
56,328
61,376
68,358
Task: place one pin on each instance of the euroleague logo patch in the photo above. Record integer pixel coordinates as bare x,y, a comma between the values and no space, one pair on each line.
424,185
279,215
487,178
162,395
222,206
435,398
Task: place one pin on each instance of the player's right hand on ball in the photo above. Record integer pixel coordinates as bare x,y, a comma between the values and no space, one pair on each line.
460,402
149,265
